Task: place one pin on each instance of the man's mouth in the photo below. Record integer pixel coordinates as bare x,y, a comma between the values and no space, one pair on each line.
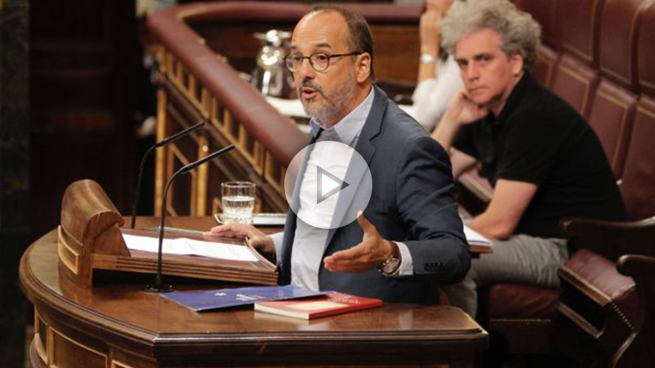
308,93
475,90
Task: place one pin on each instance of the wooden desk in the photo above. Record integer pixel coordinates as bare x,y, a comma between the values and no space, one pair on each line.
116,324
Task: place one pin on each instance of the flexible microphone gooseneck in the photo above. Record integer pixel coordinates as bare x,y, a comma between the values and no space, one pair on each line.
157,287
164,142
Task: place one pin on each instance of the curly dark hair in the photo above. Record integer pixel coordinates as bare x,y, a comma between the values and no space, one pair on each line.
519,32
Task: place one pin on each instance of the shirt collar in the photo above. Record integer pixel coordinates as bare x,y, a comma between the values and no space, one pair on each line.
348,128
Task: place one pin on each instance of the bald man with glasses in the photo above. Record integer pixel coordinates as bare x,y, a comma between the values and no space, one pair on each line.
409,238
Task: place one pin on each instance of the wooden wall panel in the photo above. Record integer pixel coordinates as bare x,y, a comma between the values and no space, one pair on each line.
83,93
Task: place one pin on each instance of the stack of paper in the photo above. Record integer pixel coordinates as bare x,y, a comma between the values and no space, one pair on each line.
186,246
189,255
475,238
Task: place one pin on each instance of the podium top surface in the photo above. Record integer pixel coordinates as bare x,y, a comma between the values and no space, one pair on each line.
118,309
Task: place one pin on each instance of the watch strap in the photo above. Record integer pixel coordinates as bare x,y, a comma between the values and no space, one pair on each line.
391,265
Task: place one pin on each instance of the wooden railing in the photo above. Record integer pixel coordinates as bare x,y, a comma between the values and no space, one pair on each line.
203,48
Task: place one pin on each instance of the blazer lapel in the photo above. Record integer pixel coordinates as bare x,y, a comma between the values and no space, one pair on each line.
366,148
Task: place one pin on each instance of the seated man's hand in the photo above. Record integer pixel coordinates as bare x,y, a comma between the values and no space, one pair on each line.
370,253
257,238
463,110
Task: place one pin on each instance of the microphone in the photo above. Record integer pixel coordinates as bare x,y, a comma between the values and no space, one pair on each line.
164,142
157,287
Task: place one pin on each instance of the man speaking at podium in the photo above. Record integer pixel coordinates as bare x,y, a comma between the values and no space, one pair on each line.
409,238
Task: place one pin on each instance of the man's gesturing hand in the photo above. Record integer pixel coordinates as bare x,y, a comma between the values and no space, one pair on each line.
370,253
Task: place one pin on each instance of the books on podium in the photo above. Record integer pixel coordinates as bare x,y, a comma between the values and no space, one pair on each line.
328,305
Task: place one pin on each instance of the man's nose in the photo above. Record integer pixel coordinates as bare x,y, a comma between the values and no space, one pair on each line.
472,72
306,70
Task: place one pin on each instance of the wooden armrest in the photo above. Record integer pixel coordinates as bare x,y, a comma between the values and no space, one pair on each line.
639,351
612,239
642,270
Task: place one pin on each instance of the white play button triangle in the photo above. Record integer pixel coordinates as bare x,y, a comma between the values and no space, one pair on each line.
328,184
319,171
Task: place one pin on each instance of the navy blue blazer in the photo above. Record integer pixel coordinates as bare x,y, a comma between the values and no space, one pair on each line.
412,202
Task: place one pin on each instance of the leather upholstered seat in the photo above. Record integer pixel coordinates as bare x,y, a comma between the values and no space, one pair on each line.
576,83
612,113
598,304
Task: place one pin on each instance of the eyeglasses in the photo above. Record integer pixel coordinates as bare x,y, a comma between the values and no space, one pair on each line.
319,61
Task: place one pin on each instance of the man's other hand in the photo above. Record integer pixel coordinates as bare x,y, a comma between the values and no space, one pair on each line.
370,253
429,32
257,238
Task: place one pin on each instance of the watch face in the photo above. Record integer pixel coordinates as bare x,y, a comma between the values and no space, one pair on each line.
391,266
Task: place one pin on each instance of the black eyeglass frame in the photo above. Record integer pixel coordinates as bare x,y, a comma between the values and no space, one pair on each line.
311,63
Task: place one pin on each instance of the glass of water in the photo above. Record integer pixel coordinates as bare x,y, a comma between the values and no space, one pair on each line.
238,200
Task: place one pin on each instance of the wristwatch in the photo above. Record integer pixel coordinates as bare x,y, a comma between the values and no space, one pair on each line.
391,265
427,59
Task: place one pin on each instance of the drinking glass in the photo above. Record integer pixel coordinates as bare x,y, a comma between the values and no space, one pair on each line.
238,199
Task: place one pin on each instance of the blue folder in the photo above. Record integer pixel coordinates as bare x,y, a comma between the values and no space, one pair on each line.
223,298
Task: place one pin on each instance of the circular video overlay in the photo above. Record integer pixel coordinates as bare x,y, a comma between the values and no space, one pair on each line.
334,185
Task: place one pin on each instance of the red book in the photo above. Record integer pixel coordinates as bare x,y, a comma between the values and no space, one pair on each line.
330,304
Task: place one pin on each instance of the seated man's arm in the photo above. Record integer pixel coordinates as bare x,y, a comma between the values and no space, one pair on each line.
461,162
461,110
509,201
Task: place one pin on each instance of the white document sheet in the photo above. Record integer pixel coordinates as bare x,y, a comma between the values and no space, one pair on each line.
475,238
185,246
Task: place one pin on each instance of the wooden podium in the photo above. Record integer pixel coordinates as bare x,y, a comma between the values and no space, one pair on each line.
115,323
90,238
118,325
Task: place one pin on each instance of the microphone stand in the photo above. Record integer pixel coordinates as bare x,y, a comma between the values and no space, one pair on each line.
158,287
164,142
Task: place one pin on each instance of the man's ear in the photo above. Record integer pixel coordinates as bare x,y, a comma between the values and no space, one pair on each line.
363,67
517,63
